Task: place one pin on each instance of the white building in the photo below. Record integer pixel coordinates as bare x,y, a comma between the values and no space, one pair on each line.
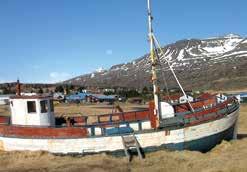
28,94
4,99
221,98
58,96
184,99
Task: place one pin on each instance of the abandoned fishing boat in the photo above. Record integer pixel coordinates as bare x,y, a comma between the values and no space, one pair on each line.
197,125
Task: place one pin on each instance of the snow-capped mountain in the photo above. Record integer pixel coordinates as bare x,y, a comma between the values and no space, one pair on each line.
203,64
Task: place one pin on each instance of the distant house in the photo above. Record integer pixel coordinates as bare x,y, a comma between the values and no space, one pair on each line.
4,99
221,98
58,96
102,98
208,99
121,99
184,99
137,100
237,96
205,96
178,98
88,97
172,98
84,91
109,90
242,97
76,98
28,94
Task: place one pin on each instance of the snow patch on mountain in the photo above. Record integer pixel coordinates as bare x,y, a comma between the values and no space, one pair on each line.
100,69
220,47
180,55
92,75
184,56
244,41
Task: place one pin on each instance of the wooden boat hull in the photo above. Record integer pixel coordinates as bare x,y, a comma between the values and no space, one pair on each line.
201,137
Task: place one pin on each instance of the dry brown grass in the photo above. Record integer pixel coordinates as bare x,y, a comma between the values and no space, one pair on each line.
94,109
228,156
4,110
84,109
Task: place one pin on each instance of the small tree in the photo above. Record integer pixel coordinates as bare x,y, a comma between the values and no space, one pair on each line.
145,90
67,90
59,89
40,91
80,89
132,93
108,93
5,90
46,90
71,87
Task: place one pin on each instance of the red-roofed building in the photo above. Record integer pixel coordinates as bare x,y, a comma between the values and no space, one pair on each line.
205,96
172,98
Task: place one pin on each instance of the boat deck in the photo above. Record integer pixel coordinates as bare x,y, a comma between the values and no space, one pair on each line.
120,123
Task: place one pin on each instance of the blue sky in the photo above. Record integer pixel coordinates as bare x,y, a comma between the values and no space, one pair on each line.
52,40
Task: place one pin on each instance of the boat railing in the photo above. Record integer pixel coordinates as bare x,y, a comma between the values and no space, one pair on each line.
218,111
125,116
201,115
4,120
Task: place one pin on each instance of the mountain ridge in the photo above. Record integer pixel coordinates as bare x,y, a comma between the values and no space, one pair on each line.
199,63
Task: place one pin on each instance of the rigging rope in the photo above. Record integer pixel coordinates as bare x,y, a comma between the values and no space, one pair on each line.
162,72
156,41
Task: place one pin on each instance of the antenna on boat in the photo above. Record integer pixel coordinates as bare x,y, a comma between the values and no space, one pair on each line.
18,87
154,62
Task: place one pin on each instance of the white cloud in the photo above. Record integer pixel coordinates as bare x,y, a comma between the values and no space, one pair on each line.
59,76
109,52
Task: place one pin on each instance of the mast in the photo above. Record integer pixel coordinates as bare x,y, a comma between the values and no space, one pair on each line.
154,63
153,41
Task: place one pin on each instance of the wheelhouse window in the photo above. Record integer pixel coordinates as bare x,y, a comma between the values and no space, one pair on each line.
52,105
31,106
44,106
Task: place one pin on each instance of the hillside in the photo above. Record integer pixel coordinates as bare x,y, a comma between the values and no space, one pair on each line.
211,63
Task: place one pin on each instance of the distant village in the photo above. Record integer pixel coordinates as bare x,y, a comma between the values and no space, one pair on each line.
80,94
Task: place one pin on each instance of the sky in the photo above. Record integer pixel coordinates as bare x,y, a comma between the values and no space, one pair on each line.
47,41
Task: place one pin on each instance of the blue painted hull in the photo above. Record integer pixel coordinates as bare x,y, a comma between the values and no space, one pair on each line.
203,145
207,143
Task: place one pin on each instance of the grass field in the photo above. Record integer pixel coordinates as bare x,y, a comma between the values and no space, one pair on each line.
228,156
85,109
